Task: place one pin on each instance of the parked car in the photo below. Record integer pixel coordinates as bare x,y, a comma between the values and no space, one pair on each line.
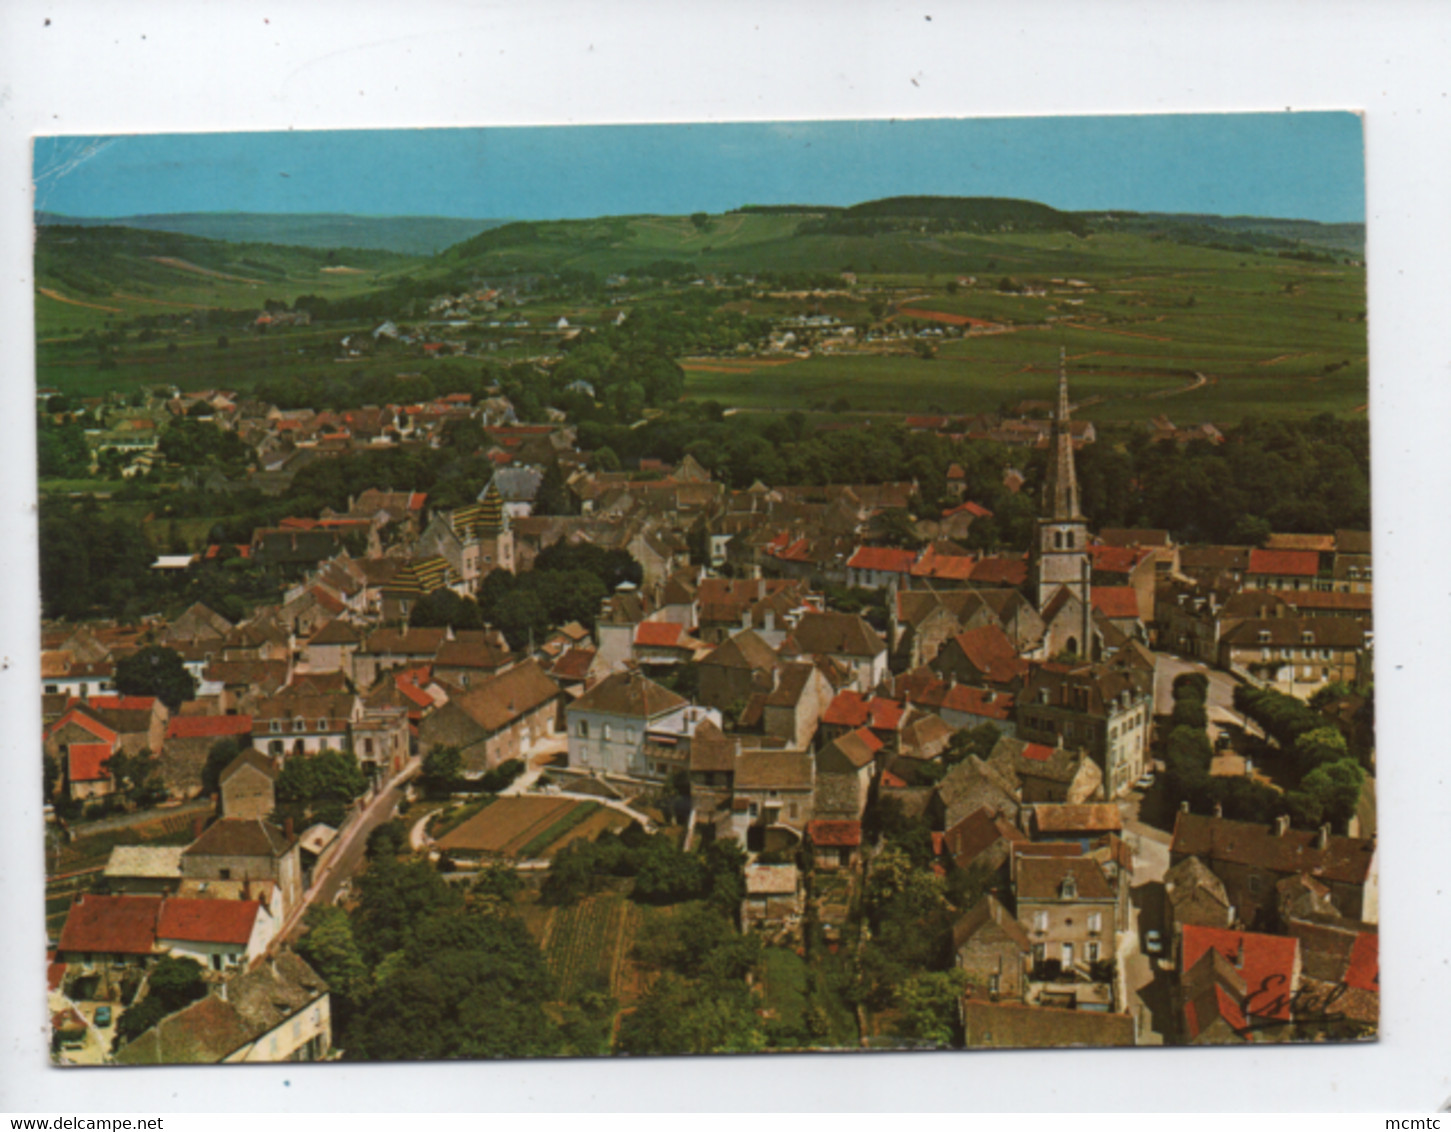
1153,942
103,1016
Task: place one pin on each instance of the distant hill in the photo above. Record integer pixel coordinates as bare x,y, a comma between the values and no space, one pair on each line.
1259,233
92,262
410,235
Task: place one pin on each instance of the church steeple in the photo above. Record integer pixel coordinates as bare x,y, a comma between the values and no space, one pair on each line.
1060,556
1060,486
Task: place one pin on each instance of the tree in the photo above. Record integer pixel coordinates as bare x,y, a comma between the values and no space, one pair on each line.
445,609
677,1016
325,776
389,840
156,671
175,982
1329,793
441,774
329,948
928,1002
219,757
136,1019
1322,745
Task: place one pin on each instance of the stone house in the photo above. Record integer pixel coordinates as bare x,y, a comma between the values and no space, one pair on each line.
246,850
735,670
1251,858
249,786
845,768
496,720
298,723
774,899
845,638
607,725
1106,709
1071,910
991,948
1047,774
772,797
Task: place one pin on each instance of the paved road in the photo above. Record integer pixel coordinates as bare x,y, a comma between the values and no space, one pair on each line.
346,858
1145,986
1221,693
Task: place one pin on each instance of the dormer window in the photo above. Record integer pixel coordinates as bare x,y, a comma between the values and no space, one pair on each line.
299,725
1307,637
1264,636
1068,889
276,725
322,725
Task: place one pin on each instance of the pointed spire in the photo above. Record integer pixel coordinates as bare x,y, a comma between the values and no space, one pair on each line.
1060,486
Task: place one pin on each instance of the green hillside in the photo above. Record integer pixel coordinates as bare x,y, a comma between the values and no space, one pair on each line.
408,235
87,276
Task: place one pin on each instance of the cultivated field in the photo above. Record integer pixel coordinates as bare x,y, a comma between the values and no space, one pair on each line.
528,826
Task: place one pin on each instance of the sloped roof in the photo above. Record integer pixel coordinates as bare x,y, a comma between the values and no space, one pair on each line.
111,925
745,649
1084,818
336,632
658,634
837,634
774,770
1116,601
1344,859
1040,878
157,862
208,726
629,694
207,921
882,558
1266,963
858,747
1294,563
86,762
501,700
834,834
988,910
239,837
253,758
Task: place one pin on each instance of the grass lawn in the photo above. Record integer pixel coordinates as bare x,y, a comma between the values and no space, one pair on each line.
784,984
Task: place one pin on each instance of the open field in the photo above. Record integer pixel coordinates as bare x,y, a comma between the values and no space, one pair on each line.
522,826
585,944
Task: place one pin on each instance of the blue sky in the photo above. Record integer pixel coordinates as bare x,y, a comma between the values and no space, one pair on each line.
1303,165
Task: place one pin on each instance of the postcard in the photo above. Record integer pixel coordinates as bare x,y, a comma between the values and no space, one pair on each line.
717,588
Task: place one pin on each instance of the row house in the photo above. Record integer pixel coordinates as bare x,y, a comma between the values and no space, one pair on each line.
292,723
498,719
1294,655
1106,709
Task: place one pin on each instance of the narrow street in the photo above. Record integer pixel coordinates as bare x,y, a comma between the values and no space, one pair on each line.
1220,703
1146,988
346,858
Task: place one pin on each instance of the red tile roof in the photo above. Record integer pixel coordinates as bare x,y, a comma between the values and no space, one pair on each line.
118,703
574,664
1363,970
945,567
852,709
207,921
658,634
835,834
1001,571
1038,752
891,780
979,701
208,726
1117,559
1116,601
985,646
1265,962
87,760
977,510
884,558
111,925
1292,563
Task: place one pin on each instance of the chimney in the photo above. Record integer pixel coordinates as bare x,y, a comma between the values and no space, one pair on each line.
1282,825
1184,806
1218,810
198,823
287,829
1322,837
760,589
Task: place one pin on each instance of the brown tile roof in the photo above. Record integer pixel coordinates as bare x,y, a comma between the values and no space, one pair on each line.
859,748
1101,817
988,910
501,700
239,837
1041,878
774,770
711,750
1344,859
629,694
837,634
1319,632
1010,1025
834,834
744,650
253,758
978,832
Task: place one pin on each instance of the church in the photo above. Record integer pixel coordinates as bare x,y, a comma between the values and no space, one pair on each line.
1061,575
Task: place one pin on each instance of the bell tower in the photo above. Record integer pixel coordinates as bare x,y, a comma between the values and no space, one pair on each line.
1060,552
